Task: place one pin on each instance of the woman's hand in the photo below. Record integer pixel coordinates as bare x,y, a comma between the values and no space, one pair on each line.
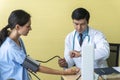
71,71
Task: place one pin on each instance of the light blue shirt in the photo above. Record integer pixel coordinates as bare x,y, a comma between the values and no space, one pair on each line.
84,34
11,58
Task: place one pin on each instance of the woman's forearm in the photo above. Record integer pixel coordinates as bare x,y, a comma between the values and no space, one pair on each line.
47,70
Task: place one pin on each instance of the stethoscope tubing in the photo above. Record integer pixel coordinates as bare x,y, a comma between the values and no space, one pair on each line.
75,36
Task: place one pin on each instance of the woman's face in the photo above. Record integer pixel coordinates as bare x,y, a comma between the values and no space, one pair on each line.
80,25
24,30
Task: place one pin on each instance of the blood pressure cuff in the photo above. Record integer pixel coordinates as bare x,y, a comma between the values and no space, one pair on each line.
31,64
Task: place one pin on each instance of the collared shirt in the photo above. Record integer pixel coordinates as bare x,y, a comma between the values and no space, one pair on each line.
83,34
11,58
95,37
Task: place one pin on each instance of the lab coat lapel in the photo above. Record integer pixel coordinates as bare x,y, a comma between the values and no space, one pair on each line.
77,46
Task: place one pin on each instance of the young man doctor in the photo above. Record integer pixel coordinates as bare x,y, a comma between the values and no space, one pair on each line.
82,35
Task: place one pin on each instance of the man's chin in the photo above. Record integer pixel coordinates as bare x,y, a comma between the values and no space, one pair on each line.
79,31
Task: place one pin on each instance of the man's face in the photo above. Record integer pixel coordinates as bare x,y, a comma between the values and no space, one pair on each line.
80,25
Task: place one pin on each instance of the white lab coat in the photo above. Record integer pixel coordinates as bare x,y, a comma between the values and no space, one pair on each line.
101,48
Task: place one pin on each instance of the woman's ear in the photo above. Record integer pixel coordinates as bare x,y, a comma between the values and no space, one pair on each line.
17,27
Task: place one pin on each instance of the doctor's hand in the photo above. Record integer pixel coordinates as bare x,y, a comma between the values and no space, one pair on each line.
74,54
62,62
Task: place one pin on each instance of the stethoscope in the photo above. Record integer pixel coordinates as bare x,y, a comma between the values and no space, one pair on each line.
85,36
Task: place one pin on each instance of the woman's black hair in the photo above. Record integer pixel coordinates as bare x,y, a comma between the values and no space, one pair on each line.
80,13
19,17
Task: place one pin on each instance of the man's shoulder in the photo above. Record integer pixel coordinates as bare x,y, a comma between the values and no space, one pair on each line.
94,31
71,34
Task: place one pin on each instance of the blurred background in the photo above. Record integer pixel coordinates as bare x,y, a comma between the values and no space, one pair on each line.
51,22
